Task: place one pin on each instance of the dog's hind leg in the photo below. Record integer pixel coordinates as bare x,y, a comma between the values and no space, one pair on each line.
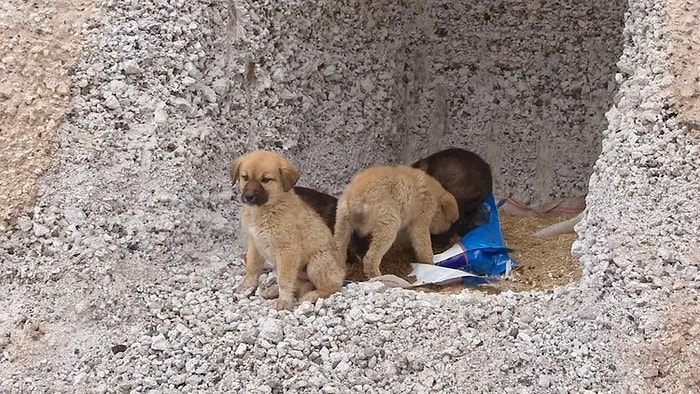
325,274
270,292
384,233
304,287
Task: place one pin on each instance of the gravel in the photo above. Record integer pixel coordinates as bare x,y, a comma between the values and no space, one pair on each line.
128,259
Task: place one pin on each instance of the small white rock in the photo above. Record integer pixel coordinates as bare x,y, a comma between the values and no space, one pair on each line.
24,224
191,364
208,93
80,378
241,349
40,230
271,330
111,101
131,67
159,343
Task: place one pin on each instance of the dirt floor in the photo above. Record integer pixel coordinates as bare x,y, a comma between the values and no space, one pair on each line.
543,263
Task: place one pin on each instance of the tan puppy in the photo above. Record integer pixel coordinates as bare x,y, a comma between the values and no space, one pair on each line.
284,230
385,202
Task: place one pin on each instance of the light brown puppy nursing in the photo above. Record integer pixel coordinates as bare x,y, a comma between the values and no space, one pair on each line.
284,230
386,201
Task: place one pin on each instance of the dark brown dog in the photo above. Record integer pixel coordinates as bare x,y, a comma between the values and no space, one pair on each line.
325,205
468,178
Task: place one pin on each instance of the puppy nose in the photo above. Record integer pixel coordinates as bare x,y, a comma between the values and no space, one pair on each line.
250,197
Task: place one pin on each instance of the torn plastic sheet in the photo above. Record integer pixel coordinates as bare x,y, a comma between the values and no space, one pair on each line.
429,274
481,251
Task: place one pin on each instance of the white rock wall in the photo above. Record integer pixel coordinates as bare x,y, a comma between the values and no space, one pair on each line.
343,85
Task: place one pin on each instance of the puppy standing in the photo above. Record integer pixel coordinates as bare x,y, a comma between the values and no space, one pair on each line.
282,229
385,201
468,178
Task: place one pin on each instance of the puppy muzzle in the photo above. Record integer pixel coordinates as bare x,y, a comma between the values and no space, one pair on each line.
252,198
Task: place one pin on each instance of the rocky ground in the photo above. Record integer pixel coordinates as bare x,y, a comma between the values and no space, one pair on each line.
119,277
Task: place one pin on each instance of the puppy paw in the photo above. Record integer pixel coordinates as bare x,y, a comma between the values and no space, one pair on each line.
284,304
311,296
372,273
270,292
247,285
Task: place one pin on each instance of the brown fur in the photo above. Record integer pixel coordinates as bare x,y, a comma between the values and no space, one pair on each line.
325,205
468,178
282,229
386,202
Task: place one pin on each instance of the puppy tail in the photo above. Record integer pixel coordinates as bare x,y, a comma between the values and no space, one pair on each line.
342,231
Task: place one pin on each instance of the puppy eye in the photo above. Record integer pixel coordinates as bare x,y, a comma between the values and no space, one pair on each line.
265,180
244,177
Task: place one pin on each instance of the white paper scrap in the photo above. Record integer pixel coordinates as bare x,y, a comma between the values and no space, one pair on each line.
434,274
424,274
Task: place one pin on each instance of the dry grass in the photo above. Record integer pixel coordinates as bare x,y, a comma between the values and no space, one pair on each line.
543,263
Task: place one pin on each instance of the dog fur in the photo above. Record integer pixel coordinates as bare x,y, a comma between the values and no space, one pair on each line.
325,205
389,202
282,229
468,178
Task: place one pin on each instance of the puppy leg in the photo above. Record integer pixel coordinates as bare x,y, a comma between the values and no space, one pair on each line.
342,231
287,274
420,240
270,292
382,238
325,274
304,287
253,269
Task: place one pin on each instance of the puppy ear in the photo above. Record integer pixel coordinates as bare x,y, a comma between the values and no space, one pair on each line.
421,165
235,170
449,207
289,176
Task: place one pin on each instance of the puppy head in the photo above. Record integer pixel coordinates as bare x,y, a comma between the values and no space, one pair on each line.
446,214
422,164
264,177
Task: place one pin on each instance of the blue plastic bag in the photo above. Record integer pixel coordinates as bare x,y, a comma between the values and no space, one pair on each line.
481,251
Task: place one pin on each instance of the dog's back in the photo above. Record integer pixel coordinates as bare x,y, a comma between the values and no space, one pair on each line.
376,190
322,203
385,201
404,191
